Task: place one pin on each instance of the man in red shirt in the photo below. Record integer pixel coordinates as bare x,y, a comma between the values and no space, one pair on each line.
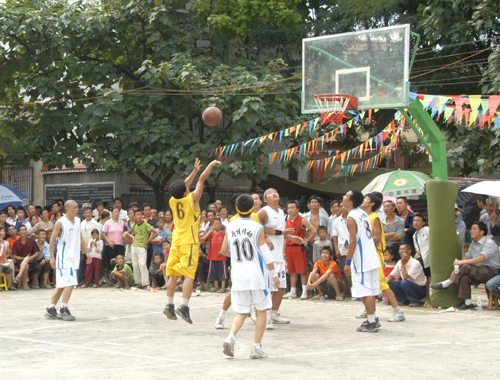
294,253
326,277
218,263
25,250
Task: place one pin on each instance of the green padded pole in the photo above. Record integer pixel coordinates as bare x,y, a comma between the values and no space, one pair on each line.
444,244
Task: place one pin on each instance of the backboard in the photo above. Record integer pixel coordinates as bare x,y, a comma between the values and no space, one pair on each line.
372,65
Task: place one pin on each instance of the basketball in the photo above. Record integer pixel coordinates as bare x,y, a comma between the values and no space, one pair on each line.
212,116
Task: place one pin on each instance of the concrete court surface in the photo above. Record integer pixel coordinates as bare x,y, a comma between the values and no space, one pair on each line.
124,335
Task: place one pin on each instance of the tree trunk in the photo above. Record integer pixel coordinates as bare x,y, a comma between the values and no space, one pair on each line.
160,201
293,174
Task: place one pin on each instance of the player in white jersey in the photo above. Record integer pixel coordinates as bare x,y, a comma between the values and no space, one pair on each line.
273,220
362,259
251,272
68,237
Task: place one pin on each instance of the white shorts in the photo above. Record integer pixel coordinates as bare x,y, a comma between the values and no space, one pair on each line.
242,300
66,277
279,269
365,284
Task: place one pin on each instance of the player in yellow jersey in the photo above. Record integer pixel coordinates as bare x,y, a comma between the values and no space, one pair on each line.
370,205
183,257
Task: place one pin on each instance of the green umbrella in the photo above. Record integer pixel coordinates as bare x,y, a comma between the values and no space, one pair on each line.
399,183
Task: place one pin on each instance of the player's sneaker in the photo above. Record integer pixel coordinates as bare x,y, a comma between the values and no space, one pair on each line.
52,313
253,314
257,353
377,323
269,324
277,318
169,311
290,295
368,327
219,324
66,315
303,296
228,347
183,312
363,315
397,317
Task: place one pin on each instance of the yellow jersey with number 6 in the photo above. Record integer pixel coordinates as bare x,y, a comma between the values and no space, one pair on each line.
186,221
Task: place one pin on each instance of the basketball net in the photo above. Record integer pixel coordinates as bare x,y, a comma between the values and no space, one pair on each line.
332,107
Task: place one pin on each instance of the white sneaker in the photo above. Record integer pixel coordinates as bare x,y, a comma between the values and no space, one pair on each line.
363,315
229,347
290,295
253,314
257,353
303,296
275,315
269,324
397,317
219,324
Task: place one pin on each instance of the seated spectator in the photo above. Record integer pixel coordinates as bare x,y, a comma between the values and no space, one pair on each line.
460,227
492,212
479,265
326,277
493,286
218,262
44,223
12,236
6,262
21,219
11,213
95,246
3,220
203,263
320,243
43,258
39,210
122,273
24,251
411,287
157,270
394,228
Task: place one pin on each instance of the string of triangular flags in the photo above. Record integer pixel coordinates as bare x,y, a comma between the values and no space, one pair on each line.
474,110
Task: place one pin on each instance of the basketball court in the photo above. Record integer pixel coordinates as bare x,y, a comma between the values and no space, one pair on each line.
123,334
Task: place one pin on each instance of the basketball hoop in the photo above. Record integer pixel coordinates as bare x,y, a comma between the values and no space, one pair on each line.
333,106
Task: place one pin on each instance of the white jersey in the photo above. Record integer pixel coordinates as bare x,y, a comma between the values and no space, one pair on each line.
69,244
276,221
248,269
365,256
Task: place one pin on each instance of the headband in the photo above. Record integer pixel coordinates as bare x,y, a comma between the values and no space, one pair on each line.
244,213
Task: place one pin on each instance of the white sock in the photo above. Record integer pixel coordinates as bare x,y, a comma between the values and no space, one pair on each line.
222,313
64,305
446,283
304,289
170,300
231,337
293,290
185,302
468,302
268,314
52,305
371,318
166,279
257,345
397,310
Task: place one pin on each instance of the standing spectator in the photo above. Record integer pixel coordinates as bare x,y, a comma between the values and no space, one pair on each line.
128,244
479,265
421,243
144,233
335,210
314,216
394,228
3,220
54,207
44,257
460,227
365,278
31,211
117,203
11,214
341,245
407,216
492,212
326,277
6,262
112,234
99,209
296,253
320,243
218,204
218,262
86,227
163,234
21,219
223,212
153,222
257,203
24,251
203,263
94,246
103,219
411,289
203,220
169,219
481,203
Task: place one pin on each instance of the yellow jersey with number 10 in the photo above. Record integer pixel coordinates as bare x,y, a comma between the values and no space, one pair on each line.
186,221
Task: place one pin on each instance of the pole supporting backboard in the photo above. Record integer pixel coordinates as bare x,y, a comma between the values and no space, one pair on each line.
435,143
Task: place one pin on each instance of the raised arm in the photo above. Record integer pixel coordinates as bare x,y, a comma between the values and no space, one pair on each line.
198,192
190,178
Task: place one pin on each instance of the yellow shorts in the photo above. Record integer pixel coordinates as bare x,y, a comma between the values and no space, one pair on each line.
183,261
383,283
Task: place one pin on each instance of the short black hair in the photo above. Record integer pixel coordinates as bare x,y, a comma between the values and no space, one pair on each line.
217,218
374,199
166,240
335,201
3,212
94,231
105,214
162,218
420,216
221,207
317,197
378,194
293,202
244,203
21,226
10,205
210,211
98,202
117,199
356,198
233,200
403,198
326,248
144,205
260,197
86,209
482,198
133,204
20,208
136,211
322,228
177,189
482,226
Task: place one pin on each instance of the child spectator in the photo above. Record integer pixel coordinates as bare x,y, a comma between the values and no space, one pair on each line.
203,263
57,215
6,265
166,252
95,246
390,263
157,269
218,263
326,277
319,244
44,257
122,272
163,234
21,219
